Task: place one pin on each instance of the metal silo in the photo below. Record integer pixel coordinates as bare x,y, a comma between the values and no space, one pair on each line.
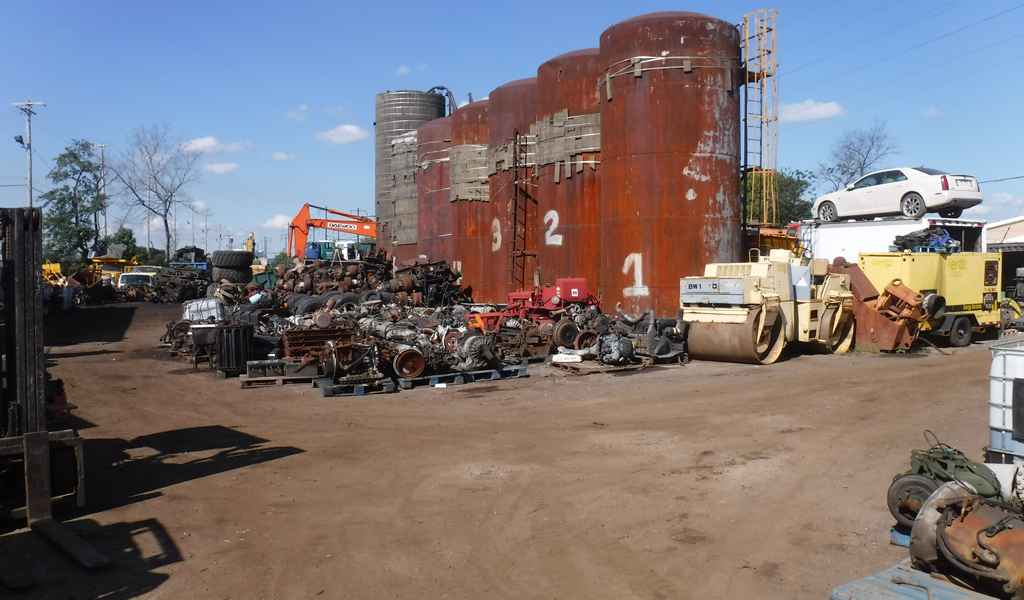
469,192
433,187
568,135
670,133
397,113
513,107
404,222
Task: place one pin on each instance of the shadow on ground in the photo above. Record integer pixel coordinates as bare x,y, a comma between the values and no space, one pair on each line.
122,472
136,550
89,324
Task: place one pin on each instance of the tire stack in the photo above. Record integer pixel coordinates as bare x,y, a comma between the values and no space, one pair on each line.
232,265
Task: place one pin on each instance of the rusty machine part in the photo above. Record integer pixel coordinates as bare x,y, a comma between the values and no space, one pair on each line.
569,171
670,129
470,195
585,339
299,342
407,361
513,108
435,212
976,541
888,321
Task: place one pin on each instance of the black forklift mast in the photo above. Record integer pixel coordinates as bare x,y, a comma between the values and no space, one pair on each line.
26,444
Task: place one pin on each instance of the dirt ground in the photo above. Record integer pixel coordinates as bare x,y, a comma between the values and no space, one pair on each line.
710,480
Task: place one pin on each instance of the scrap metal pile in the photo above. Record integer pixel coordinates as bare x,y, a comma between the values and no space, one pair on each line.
350,337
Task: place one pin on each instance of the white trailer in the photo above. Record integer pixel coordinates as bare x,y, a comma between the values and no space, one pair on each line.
849,238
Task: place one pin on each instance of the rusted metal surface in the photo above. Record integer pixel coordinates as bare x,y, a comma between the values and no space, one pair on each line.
983,540
433,187
888,321
470,234
513,108
670,146
569,208
397,113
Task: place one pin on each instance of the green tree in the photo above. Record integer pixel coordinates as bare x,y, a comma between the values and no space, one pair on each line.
281,259
792,187
71,224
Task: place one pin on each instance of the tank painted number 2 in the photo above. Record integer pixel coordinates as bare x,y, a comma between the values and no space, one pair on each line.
495,235
635,261
550,237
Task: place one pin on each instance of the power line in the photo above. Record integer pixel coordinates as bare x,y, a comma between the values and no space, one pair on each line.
845,25
916,72
1003,179
895,54
816,8
860,44
941,83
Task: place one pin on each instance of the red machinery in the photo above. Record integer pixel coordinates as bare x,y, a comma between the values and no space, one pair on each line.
298,229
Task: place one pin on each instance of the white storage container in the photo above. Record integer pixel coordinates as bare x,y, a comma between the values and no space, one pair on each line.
203,309
1007,372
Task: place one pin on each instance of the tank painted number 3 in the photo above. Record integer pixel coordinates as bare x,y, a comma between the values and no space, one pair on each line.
550,237
635,261
495,235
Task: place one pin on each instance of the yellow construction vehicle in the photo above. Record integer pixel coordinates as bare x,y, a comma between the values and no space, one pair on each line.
748,312
969,281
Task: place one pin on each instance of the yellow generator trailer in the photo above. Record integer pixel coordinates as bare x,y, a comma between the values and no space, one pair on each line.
969,281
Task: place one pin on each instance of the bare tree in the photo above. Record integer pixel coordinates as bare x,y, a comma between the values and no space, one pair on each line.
154,173
856,153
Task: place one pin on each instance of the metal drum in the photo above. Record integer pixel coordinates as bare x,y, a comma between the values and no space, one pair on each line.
513,107
433,181
670,134
470,192
569,172
397,113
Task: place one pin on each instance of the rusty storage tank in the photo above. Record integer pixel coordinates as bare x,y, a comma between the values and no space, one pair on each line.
404,222
569,174
397,113
670,142
513,107
432,189
469,192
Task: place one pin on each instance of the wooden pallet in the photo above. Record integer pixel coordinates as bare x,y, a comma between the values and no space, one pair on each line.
255,382
460,378
330,389
590,367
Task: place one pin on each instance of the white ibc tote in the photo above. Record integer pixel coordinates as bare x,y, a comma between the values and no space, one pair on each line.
1007,372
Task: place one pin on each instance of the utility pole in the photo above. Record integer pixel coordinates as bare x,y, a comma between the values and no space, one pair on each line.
103,184
26,107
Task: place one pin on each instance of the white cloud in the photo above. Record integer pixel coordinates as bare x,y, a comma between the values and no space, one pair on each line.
1002,198
199,206
210,145
977,211
221,168
334,111
403,70
931,111
300,114
343,134
283,156
809,110
278,222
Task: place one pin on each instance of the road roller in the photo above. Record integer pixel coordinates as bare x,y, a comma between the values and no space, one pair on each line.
748,312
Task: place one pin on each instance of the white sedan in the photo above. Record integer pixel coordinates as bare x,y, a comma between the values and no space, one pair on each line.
911,192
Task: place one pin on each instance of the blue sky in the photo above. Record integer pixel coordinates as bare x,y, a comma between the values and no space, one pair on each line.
254,81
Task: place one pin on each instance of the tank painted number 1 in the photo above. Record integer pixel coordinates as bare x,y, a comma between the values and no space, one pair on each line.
495,235
635,261
550,237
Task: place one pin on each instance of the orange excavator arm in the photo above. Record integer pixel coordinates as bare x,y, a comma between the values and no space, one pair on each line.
298,230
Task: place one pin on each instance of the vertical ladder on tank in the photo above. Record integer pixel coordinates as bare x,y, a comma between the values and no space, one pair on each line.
521,199
760,118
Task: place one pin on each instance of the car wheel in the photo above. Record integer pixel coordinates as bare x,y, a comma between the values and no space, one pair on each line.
953,213
913,206
960,334
827,212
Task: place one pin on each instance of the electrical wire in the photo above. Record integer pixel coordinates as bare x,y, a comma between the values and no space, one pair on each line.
941,83
1003,179
895,54
819,7
942,63
845,25
860,44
